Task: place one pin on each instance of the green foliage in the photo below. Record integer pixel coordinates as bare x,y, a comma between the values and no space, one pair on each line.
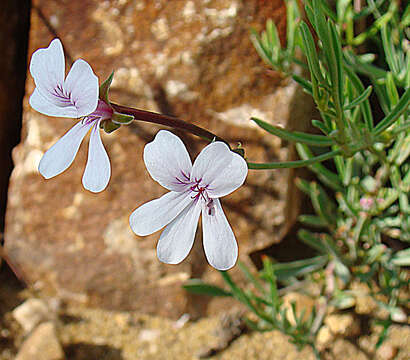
361,195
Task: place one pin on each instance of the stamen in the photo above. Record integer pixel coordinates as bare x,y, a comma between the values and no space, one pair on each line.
211,207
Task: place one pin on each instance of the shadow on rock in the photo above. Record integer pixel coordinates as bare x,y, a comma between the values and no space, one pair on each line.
83,351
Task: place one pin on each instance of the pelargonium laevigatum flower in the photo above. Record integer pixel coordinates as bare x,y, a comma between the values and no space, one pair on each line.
194,189
74,96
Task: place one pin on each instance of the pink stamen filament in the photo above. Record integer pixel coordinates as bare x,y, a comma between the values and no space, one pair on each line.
200,190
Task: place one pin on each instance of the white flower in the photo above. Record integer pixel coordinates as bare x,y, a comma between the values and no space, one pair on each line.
216,172
75,96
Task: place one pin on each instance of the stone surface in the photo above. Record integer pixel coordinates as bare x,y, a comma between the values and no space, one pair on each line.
302,302
324,338
343,324
31,313
14,24
42,344
386,352
192,59
88,334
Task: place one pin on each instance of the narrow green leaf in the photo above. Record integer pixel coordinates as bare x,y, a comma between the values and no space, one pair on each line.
296,268
342,271
372,30
385,331
402,258
348,171
330,245
386,196
343,300
405,151
340,166
328,11
392,92
306,85
389,50
404,204
362,67
256,327
257,299
271,277
310,139
401,107
323,206
241,296
401,128
345,205
364,96
320,22
358,229
303,185
263,53
335,66
255,281
292,13
311,53
197,286
273,39
312,220
321,126
381,92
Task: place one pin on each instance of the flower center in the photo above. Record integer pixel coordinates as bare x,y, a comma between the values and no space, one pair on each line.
198,191
102,112
202,194
64,97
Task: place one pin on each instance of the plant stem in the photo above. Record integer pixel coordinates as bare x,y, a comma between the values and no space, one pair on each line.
155,118
294,164
315,351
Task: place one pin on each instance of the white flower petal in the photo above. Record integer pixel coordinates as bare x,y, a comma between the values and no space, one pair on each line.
60,156
47,67
178,236
82,85
49,107
231,177
210,162
167,160
219,240
154,215
98,170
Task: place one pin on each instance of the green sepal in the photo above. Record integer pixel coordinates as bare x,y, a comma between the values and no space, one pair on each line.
121,119
108,126
105,88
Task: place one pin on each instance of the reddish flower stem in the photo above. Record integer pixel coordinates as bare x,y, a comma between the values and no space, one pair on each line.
170,121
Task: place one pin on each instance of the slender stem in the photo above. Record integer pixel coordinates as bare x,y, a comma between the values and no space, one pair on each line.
294,164
315,351
155,118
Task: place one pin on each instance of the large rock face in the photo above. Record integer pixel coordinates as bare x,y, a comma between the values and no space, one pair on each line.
192,59
14,23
